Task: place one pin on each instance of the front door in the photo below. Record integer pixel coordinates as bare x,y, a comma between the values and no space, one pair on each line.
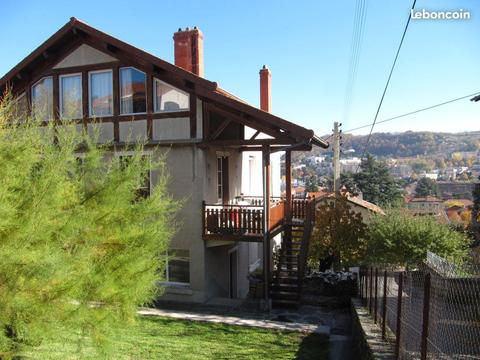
233,274
222,179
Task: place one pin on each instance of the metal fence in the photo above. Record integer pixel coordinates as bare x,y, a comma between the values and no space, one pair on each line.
431,312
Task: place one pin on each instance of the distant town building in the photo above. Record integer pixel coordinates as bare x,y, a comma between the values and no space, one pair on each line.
350,165
401,170
428,205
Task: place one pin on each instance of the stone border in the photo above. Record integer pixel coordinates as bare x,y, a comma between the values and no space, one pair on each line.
368,335
233,320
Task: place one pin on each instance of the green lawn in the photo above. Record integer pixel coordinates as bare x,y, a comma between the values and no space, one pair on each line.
161,338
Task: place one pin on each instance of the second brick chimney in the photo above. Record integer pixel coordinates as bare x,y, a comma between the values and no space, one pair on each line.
189,50
265,89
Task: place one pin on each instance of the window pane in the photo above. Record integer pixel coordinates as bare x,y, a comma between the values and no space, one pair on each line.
101,94
71,96
42,99
20,108
179,266
132,91
168,98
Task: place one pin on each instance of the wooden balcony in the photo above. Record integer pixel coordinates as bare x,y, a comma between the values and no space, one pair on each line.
244,221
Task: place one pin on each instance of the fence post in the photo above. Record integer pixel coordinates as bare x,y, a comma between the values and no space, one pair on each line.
426,313
384,304
376,297
399,315
365,283
371,291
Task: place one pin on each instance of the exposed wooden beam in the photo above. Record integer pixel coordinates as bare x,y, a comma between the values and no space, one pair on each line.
245,120
244,142
220,129
255,135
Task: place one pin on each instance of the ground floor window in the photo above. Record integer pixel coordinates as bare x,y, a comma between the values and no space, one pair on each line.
177,267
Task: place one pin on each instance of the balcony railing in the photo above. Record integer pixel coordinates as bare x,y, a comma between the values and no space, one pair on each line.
243,219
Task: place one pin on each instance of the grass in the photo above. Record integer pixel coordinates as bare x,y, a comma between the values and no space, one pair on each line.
162,338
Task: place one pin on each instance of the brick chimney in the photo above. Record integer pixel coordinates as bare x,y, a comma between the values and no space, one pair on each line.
265,89
189,50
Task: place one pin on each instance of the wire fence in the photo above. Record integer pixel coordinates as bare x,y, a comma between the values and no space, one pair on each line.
430,312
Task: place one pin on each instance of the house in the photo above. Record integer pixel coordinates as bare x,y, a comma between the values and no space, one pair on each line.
365,208
223,155
428,206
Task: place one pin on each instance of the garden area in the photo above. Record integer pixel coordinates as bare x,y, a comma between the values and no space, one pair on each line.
162,338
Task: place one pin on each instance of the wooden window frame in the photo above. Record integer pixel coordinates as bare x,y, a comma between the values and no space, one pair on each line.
120,92
154,95
60,88
90,92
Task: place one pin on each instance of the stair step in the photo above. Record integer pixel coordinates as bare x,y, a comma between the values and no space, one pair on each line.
282,277
285,295
285,286
285,303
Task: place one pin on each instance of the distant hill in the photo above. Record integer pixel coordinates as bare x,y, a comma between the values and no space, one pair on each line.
411,144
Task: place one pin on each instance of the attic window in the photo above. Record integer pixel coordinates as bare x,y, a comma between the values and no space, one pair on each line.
133,91
100,90
42,99
167,98
71,96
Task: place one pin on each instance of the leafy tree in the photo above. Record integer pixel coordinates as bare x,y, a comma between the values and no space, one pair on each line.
311,183
403,239
375,183
79,249
338,230
426,187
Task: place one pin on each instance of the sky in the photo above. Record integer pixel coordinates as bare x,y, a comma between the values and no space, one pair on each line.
307,46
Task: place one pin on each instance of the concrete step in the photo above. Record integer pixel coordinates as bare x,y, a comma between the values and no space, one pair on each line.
285,303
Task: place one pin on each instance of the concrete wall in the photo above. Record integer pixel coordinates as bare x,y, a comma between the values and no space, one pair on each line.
171,129
187,169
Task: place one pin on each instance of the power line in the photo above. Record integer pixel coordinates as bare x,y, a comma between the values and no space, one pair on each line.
414,112
355,51
388,80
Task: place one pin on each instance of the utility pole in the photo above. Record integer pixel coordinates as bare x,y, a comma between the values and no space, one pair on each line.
336,156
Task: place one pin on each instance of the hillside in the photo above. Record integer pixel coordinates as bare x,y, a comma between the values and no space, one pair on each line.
411,144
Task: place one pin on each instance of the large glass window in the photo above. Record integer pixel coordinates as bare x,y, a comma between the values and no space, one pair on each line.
177,267
71,96
20,108
101,93
132,91
166,98
42,99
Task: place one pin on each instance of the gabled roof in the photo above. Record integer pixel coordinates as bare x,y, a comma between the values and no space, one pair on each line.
76,30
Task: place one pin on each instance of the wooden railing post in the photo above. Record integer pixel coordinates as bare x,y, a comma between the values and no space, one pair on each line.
399,316
376,297
426,316
384,306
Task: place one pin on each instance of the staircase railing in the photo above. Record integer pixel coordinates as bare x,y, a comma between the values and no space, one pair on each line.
307,232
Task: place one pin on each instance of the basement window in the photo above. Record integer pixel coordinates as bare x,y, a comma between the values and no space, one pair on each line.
167,98
133,91
42,99
177,267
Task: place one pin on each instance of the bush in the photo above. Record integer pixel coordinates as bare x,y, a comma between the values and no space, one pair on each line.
403,239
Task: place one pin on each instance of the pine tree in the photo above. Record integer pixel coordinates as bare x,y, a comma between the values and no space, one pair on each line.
79,249
375,183
426,187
